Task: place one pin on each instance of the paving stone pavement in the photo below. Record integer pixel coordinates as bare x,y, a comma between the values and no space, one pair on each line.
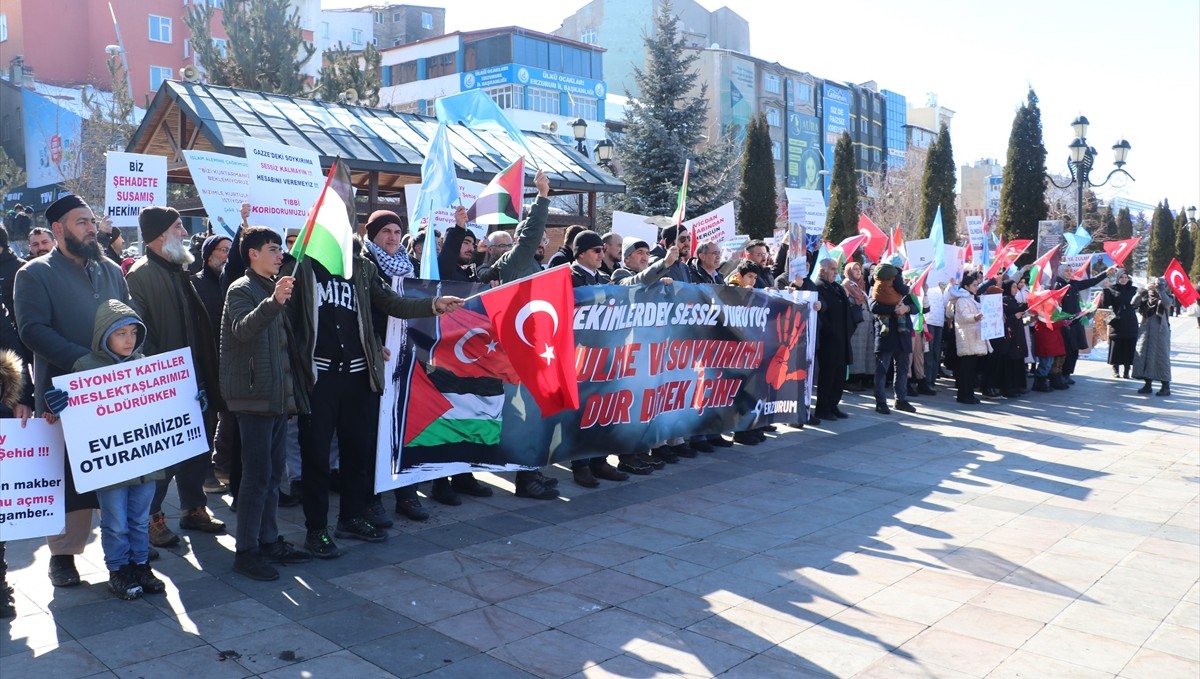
1051,536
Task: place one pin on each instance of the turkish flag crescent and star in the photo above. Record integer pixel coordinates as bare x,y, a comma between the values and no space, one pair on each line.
534,323
1120,249
1179,283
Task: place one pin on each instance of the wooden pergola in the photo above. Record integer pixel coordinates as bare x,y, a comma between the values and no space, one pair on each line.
384,149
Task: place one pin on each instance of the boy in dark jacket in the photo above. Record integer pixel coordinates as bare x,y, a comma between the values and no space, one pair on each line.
117,337
256,382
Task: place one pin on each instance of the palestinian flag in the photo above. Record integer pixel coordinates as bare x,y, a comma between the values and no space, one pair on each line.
1040,269
328,235
500,201
681,204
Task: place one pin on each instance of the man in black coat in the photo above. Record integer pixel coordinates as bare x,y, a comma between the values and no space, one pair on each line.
834,328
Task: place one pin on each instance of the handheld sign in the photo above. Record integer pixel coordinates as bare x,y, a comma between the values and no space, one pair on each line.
130,419
31,480
134,181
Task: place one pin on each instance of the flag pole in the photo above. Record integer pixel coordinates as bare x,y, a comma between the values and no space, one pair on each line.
302,242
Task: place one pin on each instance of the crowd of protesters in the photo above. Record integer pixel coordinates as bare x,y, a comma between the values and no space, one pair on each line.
289,358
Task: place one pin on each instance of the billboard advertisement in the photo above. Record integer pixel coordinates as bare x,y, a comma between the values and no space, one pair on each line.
737,94
508,74
804,151
52,140
836,106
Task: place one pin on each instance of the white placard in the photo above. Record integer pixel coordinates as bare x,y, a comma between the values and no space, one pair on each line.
918,252
130,419
285,182
630,225
133,181
807,208
992,324
733,248
975,232
468,193
716,225
953,268
223,182
32,503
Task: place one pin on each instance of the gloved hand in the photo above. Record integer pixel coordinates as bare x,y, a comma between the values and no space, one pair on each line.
202,397
56,400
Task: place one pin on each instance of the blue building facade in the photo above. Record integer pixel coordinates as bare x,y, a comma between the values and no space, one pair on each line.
895,140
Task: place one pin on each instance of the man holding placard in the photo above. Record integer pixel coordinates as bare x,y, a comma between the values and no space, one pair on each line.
55,299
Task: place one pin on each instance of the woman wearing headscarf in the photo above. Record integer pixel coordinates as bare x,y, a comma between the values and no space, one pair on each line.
862,341
1012,375
1153,359
1123,325
968,336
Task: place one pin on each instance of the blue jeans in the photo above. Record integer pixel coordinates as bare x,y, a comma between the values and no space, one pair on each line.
263,438
933,354
1043,365
125,524
883,361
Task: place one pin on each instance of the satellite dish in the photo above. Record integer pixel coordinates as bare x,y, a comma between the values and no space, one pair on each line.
189,73
350,96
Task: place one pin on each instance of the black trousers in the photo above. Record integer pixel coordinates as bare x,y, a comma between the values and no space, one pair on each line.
831,382
966,375
342,404
1071,359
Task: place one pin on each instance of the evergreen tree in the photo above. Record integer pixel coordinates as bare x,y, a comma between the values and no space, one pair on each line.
756,209
1124,225
11,174
342,72
1023,194
1162,239
1183,241
1139,258
265,51
665,127
937,188
1194,270
842,220
1108,232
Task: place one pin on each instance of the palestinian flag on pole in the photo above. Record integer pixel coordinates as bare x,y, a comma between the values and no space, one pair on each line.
500,201
1040,269
328,235
681,204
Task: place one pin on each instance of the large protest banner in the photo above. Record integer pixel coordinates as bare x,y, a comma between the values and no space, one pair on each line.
130,419
652,363
992,325
285,182
715,226
133,181
31,480
443,218
223,182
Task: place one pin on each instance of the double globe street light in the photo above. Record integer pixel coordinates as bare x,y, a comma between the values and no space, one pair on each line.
1082,158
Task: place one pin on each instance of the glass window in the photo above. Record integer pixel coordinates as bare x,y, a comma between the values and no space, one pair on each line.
356,36
157,75
160,28
442,64
774,116
187,48
507,96
397,42
588,35
556,57
584,107
222,46
776,150
771,83
427,21
492,51
404,73
217,3
543,101
3,27
397,17
379,17
325,29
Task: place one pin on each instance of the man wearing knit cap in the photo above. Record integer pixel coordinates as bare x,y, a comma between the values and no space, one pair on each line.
55,300
589,255
175,318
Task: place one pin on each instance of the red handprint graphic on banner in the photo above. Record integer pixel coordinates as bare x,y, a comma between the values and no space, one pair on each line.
789,327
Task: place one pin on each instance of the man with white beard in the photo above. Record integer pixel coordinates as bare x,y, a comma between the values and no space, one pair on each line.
175,318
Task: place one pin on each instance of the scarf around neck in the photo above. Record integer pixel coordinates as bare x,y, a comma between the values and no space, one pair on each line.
392,265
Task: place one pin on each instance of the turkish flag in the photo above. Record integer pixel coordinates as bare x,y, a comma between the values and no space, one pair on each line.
1178,281
534,322
877,240
1006,255
968,253
1120,249
467,347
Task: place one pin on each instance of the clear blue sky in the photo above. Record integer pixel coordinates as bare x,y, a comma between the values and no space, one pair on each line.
1133,68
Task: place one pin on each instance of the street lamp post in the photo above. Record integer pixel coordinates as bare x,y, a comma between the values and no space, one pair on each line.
1080,163
1191,222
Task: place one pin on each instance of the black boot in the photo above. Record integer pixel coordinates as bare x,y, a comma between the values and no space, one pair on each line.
1146,388
1116,371
1041,384
1126,372
1058,381
1166,389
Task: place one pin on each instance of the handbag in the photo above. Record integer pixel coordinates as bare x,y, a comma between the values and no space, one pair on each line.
856,313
